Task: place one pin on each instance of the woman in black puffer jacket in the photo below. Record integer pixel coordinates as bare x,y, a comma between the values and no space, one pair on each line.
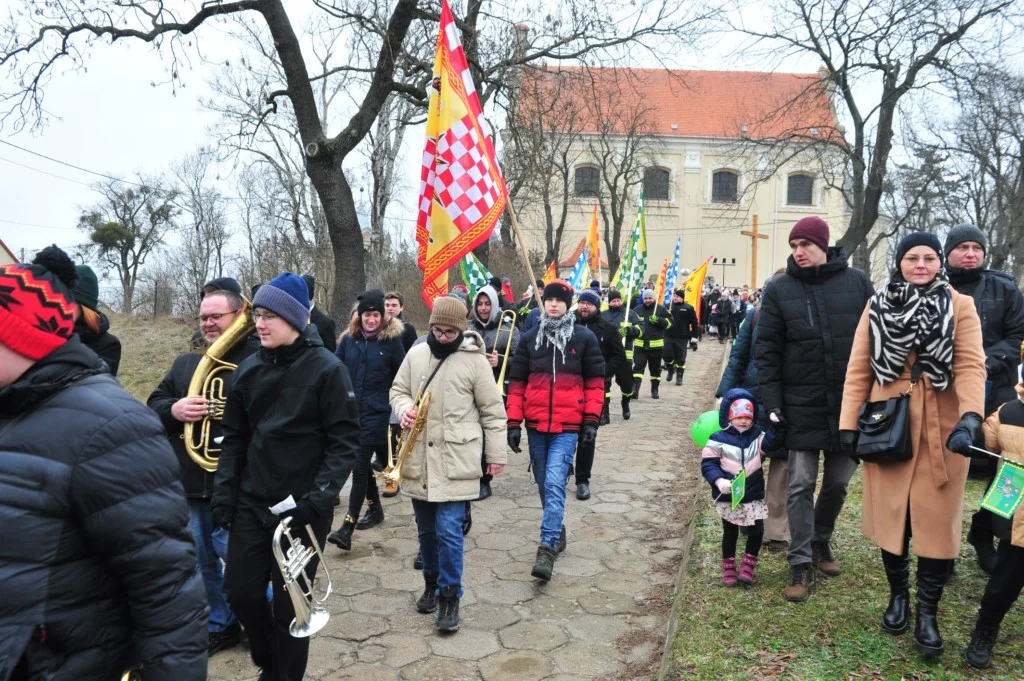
97,567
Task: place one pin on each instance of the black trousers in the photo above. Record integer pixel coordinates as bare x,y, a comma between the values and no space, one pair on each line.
584,461
364,485
1004,586
650,359
731,533
250,566
675,353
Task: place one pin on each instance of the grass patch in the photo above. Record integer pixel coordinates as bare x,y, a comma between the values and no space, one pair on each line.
733,634
148,348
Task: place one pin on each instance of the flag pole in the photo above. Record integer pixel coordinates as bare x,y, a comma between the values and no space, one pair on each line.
1017,464
522,249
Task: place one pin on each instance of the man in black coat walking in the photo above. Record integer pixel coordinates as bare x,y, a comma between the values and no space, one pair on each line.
1001,308
677,337
97,568
291,435
618,316
805,332
170,400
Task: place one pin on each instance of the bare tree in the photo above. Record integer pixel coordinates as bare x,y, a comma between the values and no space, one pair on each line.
899,47
126,226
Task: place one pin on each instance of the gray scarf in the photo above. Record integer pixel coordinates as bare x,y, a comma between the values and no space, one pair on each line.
555,331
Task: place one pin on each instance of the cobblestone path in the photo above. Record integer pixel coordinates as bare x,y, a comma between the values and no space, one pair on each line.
603,615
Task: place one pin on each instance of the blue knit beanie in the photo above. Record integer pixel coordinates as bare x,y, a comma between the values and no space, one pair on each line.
287,296
588,295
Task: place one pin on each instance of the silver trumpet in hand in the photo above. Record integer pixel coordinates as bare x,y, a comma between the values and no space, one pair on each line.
292,558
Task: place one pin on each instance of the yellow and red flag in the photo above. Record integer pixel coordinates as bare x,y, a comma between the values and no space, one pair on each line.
594,245
694,287
462,191
659,287
550,274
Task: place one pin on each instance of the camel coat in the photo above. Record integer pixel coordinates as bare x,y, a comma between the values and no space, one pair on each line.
930,486
1004,433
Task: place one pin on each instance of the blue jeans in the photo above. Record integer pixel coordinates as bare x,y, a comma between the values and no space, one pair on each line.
440,532
211,547
551,455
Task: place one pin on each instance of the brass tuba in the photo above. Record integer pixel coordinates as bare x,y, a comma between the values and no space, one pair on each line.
208,383
407,440
292,558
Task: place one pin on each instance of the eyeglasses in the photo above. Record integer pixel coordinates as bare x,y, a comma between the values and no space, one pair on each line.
265,316
454,333
204,318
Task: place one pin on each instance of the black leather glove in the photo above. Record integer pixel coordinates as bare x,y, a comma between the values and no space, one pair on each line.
966,433
222,516
303,514
779,420
848,441
515,436
588,433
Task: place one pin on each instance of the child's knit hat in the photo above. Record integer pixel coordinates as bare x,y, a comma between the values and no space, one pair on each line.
741,407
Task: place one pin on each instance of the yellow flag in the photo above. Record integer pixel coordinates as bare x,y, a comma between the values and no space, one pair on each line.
594,244
550,274
694,287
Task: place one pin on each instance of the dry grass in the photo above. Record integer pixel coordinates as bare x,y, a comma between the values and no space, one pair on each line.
148,347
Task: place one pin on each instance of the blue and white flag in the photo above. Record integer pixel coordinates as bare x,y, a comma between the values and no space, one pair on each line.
580,273
673,274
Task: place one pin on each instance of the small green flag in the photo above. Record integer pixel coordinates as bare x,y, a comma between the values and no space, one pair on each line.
474,274
739,488
1006,491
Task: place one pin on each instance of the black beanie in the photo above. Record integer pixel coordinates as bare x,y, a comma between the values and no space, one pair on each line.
496,283
371,301
558,288
614,295
918,239
962,233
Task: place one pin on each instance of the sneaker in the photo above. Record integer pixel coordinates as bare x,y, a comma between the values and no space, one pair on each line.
224,639
801,579
823,560
390,489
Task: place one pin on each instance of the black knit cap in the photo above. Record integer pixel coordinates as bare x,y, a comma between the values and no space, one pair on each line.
371,301
962,233
918,239
558,288
614,295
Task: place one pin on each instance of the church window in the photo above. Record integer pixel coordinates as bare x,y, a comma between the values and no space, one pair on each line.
587,181
800,190
656,184
724,186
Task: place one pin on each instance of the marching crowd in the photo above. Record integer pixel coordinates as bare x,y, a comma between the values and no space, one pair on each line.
122,553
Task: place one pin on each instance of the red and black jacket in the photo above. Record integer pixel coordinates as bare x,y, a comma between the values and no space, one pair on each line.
553,395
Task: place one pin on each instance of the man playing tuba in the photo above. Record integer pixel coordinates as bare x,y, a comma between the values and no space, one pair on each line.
219,311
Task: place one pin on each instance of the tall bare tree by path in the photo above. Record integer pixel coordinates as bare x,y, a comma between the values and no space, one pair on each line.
126,226
876,54
48,36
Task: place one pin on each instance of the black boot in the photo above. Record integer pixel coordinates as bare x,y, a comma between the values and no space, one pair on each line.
428,601
979,651
931,577
605,416
448,610
467,520
373,516
625,407
342,538
897,571
545,562
637,382
417,563
654,389
669,373
981,538
679,376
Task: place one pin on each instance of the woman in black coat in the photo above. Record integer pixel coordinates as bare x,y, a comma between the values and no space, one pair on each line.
91,325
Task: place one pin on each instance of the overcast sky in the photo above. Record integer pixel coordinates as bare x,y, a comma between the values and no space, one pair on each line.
110,119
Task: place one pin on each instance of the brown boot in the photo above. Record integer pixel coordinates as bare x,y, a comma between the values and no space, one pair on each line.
823,560
801,579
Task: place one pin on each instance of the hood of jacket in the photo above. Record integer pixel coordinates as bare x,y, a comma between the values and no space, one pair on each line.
727,400
492,295
71,362
472,342
286,354
392,329
837,262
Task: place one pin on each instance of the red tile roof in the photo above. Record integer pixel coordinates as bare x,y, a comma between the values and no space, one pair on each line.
715,104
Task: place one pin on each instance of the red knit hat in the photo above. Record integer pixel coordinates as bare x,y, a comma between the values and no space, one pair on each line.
37,314
812,228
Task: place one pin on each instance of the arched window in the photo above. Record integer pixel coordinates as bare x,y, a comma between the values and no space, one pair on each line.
587,181
800,190
656,184
725,186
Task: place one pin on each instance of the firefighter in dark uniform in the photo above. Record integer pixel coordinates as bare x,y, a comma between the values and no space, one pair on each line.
678,336
652,320
617,316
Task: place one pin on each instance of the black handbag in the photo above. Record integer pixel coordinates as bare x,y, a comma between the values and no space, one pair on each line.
884,427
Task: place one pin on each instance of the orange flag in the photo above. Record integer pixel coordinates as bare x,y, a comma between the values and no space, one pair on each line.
659,288
462,191
550,275
594,245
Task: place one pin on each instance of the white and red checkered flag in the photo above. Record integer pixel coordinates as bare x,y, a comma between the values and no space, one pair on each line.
462,192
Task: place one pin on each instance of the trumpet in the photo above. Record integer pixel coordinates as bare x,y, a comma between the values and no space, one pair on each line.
508,345
407,440
310,613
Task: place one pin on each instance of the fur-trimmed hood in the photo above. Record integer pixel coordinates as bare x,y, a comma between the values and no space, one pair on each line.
393,327
471,342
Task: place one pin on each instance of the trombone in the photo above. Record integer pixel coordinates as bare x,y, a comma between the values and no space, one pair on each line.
508,345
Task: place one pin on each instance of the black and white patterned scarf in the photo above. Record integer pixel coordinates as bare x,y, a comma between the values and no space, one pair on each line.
555,331
905,317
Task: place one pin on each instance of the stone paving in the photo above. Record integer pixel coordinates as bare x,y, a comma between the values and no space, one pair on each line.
604,613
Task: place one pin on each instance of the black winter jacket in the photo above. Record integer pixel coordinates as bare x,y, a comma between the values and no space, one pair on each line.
197,482
1001,308
104,343
615,363
684,322
372,365
409,334
325,328
291,427
97,566
805,331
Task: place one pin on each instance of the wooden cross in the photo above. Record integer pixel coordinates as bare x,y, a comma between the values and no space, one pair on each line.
754,236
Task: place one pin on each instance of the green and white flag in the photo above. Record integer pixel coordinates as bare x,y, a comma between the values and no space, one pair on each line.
474,274
634,261
1006,491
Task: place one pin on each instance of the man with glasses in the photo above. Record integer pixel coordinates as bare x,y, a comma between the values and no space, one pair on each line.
170,400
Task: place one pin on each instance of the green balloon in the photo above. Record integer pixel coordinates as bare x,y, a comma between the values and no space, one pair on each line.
703,427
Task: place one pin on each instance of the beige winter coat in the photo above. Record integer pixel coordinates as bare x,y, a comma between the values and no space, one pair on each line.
931,484
1008,440
466,416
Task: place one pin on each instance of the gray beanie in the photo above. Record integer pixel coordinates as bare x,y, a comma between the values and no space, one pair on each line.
962,233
